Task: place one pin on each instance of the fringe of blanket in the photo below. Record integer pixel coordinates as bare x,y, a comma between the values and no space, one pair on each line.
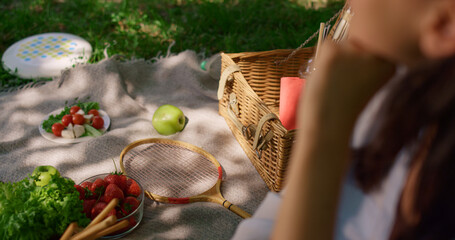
40,82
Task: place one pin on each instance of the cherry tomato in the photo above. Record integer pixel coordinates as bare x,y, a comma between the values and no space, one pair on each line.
74,109
78,119
57,129
97,122
67,119
94,112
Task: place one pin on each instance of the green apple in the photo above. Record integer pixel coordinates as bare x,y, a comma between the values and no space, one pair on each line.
168,119
45,174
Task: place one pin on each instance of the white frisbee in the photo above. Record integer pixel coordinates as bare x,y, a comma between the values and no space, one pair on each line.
46,55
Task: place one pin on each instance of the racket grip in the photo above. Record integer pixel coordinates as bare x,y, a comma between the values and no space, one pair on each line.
235,209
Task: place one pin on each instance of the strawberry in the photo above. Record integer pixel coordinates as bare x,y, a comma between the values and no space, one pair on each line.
129,205
103,199
116,178
120,214
87,207
113,191
132,188
86,184
81,191
111,178
98,187
132,221
123,182
113,212
97,209
87,193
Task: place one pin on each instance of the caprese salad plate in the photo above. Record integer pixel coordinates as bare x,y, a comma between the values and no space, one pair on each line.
75,124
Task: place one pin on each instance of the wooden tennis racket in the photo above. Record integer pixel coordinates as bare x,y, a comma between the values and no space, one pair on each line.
172,171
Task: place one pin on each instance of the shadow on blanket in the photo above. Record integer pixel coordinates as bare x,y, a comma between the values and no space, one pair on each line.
130,91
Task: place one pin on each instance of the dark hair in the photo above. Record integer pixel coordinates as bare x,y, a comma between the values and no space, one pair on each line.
423,98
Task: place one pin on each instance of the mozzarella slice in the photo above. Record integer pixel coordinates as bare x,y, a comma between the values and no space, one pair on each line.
68,134
78,130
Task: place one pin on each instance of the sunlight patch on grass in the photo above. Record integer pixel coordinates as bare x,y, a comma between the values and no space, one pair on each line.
143,28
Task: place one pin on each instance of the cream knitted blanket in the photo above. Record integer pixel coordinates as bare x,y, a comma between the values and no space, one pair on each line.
130,92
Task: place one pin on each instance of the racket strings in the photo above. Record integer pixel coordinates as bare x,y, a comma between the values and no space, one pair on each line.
170,170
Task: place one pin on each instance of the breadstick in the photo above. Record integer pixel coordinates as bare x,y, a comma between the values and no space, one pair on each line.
69,231
118,226
89,232
104,213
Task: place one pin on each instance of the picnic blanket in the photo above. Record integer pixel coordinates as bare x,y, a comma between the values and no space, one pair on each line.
130,91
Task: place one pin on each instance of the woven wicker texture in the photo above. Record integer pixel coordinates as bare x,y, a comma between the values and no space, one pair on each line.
257,93
257,89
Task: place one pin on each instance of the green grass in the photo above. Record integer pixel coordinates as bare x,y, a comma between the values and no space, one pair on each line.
146,28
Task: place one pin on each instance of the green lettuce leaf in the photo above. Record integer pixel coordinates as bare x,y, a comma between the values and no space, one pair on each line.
47,124
31,212
87,106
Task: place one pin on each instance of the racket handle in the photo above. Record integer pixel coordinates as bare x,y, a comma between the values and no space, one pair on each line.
235,209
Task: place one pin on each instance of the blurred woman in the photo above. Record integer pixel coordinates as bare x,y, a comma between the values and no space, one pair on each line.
374,156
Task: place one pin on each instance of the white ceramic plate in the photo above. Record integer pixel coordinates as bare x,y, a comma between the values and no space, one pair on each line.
53,138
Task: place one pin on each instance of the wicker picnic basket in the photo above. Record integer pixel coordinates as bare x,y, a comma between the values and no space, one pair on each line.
249,97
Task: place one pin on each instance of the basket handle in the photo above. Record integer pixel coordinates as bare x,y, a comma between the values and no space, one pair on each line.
225,77
260,141
251,130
